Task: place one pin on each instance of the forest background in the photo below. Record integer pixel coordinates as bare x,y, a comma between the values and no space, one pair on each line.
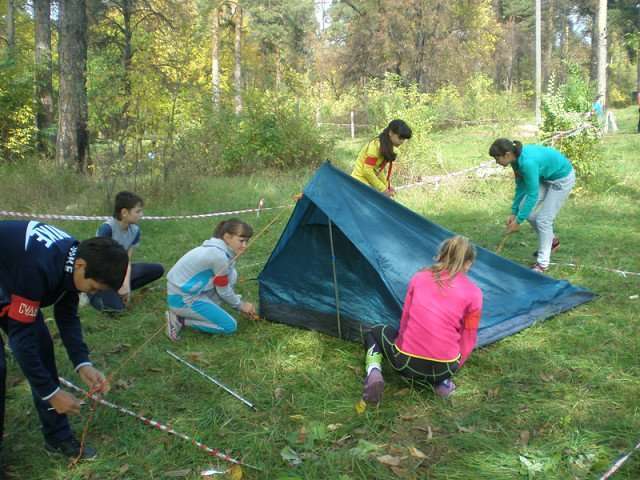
135,92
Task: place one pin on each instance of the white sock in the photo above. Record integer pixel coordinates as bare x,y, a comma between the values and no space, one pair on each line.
372,366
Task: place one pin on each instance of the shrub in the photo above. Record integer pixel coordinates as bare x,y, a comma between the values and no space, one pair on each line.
567,107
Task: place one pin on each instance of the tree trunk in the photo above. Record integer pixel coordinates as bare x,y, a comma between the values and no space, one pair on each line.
72,146
43,74
550,39
127,58
593,60
602,50
11,27
564,44
215,57
237,55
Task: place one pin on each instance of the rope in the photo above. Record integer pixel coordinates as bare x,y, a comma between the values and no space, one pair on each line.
335,280
160,426
82,218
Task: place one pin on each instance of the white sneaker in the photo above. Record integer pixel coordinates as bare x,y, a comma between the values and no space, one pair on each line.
174,325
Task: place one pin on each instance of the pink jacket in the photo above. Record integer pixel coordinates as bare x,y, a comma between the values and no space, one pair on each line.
440,323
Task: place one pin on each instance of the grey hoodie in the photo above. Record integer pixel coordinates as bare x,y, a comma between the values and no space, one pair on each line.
205,270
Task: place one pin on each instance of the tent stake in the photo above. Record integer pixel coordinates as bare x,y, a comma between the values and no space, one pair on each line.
335,280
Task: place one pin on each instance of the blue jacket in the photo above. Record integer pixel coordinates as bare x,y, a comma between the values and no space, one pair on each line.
36,270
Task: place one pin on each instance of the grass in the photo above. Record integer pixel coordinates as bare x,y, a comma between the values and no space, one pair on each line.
557,401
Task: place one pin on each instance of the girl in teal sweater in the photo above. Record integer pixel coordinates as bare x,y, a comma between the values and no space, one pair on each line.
544,179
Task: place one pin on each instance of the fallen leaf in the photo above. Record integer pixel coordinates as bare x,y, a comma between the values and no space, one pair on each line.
359,371
360,407
524,437
389,460
278,393
194,356
235,473
414,452
462,429
332,427
402,392
360,431
408,418
290,456
297,417
492,393
546,377
178,473
123,469
154,369
120,347
123,384
302,435
343,439
401,472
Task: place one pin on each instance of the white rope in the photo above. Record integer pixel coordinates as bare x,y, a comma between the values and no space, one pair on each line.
55,216
623,273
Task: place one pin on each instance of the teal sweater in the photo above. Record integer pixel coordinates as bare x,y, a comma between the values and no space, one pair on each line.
535,164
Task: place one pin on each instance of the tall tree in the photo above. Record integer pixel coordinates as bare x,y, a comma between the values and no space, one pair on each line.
11,27
72,147
237,57
43,73
215,56
602,49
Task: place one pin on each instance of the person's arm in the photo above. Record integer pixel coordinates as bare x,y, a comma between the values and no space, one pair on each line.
22,332
470,324
370,160
104,230
224,289
408,300
519,193
65,312
531,186
125,289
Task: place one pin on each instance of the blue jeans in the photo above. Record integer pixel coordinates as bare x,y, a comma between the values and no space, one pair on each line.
141,275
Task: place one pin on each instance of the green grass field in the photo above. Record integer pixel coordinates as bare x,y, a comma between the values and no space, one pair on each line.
556,401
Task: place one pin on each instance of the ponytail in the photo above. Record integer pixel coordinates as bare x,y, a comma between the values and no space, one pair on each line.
233,226
504,145
453,255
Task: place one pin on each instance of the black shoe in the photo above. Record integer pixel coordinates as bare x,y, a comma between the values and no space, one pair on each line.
71,449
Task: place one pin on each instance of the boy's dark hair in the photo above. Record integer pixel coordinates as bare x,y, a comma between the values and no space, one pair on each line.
400,128
106,260
233,226
504,145
126,200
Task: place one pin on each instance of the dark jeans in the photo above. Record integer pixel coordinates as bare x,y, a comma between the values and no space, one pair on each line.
141,275
55,427
427,372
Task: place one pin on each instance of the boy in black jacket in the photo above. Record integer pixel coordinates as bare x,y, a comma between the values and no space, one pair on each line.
40,266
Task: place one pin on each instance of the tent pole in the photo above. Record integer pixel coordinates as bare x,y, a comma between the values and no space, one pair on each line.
335,279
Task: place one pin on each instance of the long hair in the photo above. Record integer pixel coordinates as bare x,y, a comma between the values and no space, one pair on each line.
504,145
233,226
400,128
453,254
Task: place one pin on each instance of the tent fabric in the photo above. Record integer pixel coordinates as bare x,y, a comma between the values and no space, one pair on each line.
378,246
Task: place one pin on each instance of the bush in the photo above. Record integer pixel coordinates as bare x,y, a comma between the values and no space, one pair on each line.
567,107
17,120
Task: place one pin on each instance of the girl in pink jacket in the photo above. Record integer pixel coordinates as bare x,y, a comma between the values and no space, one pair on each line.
438,328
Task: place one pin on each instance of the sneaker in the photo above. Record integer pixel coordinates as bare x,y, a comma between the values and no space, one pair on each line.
174,325
71,449
445,388
555,246
539,268
373,387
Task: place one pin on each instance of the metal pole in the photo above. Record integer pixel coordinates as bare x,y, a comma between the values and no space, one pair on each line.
335,280
213,380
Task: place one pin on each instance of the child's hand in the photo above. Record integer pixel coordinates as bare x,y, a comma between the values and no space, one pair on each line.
65,403
390,192
249,310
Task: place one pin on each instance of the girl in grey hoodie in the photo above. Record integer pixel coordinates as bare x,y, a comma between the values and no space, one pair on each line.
203,278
